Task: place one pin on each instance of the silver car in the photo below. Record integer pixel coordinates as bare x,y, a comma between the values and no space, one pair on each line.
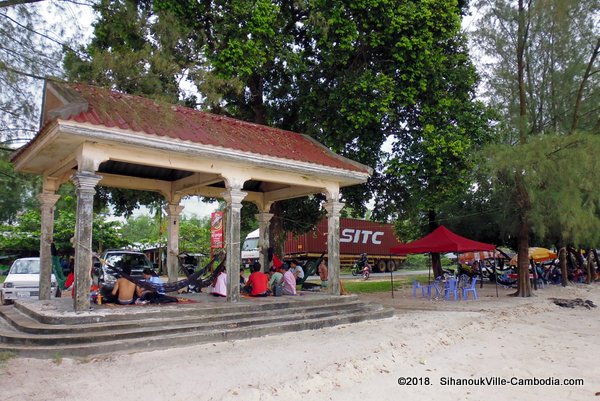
23,281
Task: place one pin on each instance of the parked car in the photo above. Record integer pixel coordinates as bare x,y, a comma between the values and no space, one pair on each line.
23,281
117,259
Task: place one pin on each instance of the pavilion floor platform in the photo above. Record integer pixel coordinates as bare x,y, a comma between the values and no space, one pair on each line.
44,329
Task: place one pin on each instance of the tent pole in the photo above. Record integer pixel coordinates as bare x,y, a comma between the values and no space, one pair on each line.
391,275
429,272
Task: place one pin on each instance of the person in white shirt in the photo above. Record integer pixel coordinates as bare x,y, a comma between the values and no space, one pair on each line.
220,285
297,271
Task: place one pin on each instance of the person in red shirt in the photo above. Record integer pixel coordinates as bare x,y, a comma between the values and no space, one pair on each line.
258,282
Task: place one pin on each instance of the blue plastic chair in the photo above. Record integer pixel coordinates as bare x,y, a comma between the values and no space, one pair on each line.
471,288
416,286
435,285
451,288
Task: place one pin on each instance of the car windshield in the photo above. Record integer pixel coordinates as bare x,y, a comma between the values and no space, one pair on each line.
128,259
250,244
25,266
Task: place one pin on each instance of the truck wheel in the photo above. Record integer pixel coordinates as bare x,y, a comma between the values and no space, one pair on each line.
391,266
380,266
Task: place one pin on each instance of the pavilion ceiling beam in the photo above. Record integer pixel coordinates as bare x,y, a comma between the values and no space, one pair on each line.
290,192
139,184
62,167
188,184
215,192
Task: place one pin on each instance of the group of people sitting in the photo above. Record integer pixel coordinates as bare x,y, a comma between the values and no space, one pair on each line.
281,279
127,292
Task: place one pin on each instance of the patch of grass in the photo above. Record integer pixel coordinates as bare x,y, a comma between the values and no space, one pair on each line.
57,358
5,356
359,286
2,278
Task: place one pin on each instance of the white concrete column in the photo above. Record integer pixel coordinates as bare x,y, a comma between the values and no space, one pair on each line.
233,197
47,202
173,215
85,184
333,207
264,220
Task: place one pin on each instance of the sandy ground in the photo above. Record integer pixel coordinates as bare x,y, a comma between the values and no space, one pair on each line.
429,341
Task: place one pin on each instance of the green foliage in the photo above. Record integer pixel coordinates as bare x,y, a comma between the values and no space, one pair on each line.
351,74
552,154
194,235
18,190
23,238
143,229
559,173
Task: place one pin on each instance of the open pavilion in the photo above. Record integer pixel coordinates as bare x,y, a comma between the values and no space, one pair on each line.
94,136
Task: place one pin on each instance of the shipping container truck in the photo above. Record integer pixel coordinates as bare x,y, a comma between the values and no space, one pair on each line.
356,237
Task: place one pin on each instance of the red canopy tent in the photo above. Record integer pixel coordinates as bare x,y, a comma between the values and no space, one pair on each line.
442,240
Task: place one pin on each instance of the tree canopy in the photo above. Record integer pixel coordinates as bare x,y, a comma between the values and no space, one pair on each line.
351,74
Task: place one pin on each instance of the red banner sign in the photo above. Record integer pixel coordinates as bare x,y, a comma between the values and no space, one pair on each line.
216,230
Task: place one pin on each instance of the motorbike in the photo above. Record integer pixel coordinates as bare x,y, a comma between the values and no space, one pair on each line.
362,267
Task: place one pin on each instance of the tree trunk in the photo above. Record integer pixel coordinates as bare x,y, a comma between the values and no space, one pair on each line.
276,231
588,73
436,259
588,267
436,265
524,287
562,257
522,196
597,266
255,84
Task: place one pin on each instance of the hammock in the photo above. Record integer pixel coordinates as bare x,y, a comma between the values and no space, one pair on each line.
195,278
310,269
57,268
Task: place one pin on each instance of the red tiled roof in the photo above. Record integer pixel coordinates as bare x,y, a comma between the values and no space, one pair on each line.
117,110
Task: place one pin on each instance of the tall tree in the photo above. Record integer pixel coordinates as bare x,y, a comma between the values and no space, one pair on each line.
351,74
31,48
540,58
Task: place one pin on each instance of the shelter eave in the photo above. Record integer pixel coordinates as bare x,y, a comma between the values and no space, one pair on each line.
53,135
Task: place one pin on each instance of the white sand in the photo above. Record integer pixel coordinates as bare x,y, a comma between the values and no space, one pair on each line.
495,337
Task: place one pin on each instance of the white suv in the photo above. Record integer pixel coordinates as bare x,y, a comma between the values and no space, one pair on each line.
23,281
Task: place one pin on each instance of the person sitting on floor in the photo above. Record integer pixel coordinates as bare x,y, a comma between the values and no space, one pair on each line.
258,282
324,273
242,278
125,290
297,271
154,296
276,282
220,285
289,282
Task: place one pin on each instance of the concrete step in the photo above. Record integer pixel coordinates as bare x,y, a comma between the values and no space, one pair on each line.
194,337
27,324
107,332
104,314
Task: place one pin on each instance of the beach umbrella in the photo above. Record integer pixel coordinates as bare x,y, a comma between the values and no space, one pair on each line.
479,255
537,254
